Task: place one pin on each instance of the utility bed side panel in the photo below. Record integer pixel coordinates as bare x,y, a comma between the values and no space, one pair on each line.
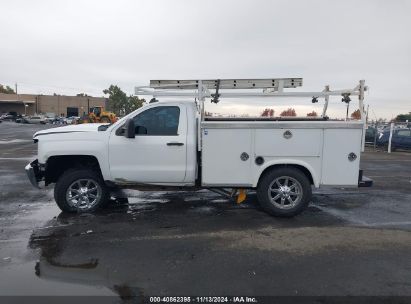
221,157
288,142
323,148
337,168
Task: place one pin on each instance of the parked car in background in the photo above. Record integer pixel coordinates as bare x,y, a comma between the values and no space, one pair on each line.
20,119
370,134
72,120
50,117
9,116
60,121
35,119
401,139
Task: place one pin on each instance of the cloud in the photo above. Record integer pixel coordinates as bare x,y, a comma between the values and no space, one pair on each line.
84,46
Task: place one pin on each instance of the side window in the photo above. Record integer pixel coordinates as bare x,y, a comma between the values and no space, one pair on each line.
404,133
162,120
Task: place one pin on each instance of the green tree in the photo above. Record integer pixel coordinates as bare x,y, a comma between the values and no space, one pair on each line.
119,103
403,117
116,98
6,90
133,104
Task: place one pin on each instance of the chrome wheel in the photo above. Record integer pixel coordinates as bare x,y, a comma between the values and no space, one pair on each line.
285,192
83,194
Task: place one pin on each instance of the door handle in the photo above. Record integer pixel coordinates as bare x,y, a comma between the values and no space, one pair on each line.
175,144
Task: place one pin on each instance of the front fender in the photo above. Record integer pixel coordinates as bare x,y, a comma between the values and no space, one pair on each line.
59,146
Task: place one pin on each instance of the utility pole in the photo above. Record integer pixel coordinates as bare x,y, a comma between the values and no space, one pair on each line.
366,117
15,85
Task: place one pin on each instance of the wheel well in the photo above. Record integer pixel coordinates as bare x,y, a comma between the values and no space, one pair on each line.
57,165
299,167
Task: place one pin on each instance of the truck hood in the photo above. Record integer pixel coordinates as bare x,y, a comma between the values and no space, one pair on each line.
93,127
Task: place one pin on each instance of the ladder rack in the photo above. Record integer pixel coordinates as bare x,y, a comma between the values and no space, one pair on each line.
228,83
248,88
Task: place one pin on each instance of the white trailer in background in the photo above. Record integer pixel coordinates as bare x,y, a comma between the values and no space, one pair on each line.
173,145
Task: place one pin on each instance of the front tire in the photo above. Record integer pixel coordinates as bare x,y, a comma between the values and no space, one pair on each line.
80,190
284,192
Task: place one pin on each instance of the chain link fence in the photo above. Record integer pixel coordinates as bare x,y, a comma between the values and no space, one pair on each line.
389,137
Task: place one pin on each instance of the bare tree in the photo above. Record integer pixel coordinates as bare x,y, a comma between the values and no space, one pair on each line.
288,112
268,113
312,114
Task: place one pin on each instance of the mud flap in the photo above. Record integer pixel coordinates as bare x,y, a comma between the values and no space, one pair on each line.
364,181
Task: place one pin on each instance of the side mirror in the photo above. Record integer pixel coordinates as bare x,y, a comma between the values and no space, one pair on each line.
129,129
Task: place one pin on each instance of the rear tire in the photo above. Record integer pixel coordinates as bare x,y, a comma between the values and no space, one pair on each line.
284,192
80,190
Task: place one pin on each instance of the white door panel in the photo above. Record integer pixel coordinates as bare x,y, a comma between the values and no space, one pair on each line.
150,158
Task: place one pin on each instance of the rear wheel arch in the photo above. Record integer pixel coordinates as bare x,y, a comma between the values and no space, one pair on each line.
302,168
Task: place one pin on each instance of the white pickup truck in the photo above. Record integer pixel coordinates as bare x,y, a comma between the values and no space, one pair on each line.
171,145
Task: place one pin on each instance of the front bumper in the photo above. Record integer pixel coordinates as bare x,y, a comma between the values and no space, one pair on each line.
33,173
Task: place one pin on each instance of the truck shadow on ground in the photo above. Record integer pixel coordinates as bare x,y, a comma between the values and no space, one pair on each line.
191,212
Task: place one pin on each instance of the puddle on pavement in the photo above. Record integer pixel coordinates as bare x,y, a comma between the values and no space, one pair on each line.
44,270
17,264
374,209
21,279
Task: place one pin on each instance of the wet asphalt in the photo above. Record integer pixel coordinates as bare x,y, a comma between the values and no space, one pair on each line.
354,242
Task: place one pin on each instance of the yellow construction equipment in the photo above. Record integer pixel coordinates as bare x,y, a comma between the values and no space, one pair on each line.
99,115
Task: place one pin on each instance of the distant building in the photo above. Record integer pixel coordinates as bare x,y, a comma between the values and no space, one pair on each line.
59,104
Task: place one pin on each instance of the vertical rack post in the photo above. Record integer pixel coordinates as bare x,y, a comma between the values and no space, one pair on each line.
390,138
361,106
201,99
327,98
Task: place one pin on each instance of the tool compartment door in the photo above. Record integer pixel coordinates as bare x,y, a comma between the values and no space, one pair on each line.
288,142
222,164
338,168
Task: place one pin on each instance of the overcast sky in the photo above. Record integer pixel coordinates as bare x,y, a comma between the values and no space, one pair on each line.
68,47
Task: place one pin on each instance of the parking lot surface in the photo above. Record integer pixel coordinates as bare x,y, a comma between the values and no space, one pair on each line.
349,241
